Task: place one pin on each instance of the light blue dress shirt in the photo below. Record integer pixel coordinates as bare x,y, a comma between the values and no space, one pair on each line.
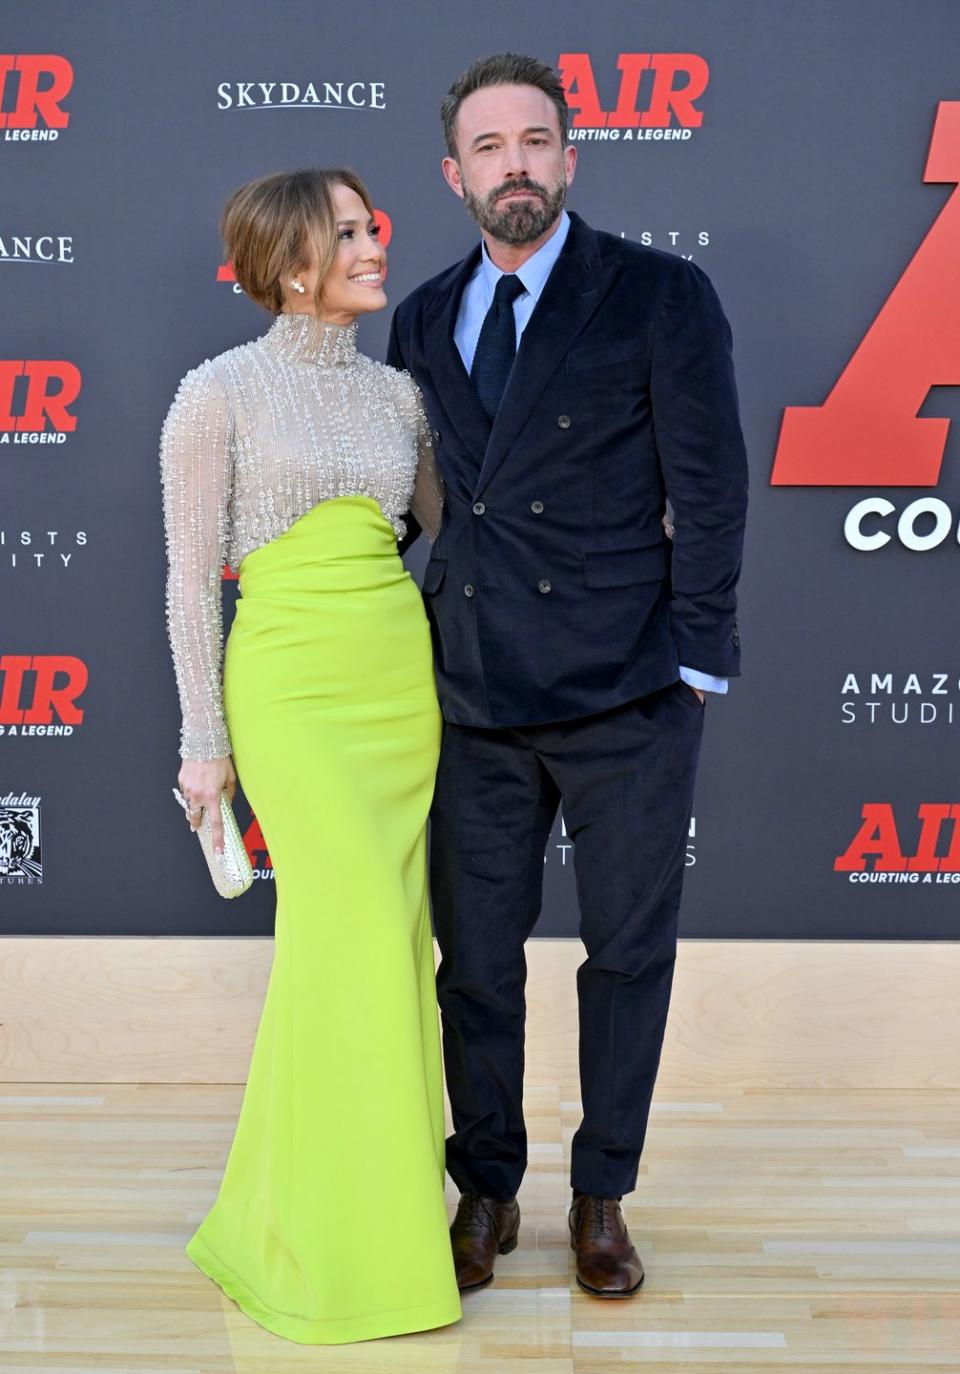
477,299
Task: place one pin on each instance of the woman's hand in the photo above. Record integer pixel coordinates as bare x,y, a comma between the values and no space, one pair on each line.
201,783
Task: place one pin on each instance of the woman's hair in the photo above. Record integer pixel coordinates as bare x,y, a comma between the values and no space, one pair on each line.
269,225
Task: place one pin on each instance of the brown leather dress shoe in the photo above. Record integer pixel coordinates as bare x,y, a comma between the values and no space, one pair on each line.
608,1266
482,1229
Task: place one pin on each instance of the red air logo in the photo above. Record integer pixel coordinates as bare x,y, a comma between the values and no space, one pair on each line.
879,853
867,432
256,847
35,399
32,89
39,693
656,96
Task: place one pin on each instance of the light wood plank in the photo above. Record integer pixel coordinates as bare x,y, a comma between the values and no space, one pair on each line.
839,1253
744,1014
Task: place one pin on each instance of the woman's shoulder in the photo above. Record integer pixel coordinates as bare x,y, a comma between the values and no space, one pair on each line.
404,388
222,365
214,378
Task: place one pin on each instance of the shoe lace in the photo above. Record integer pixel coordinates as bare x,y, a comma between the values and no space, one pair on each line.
474,1214
602,1216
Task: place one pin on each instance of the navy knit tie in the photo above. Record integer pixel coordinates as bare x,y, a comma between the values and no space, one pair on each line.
497,345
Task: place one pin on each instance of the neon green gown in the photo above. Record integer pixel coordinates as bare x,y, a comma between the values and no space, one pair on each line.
330,1223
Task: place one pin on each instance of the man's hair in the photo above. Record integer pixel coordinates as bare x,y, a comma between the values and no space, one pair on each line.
503,69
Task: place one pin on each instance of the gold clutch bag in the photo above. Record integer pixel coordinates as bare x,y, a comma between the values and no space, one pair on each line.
230,871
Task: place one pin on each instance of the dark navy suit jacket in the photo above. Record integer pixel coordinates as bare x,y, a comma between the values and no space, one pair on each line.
552,589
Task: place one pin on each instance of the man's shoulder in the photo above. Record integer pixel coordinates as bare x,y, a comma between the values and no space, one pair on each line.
652,263
663,280
437,287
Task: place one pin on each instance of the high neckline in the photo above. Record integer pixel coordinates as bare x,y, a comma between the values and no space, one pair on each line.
314,341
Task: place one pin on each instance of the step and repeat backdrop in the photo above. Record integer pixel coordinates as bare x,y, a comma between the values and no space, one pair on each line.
805,155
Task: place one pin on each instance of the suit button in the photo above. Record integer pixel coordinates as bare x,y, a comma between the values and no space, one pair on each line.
544,586
536,507
563,421
436,436
479,508
468,590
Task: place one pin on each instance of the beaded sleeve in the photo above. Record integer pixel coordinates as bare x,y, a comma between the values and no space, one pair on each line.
196,465
426,503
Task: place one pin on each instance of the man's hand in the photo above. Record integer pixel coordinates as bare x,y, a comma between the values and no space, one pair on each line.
701,695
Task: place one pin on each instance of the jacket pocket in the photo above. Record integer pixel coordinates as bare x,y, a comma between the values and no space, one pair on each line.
604,355
433,575
626,567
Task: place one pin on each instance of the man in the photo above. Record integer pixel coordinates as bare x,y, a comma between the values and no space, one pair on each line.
574,382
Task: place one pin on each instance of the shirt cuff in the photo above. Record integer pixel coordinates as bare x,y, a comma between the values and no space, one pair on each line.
704,681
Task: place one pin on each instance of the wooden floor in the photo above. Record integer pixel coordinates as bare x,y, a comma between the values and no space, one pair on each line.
804,1230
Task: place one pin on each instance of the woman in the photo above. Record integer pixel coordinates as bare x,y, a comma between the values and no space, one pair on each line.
294,458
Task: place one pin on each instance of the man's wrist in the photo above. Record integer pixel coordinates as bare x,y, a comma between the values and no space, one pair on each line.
704,682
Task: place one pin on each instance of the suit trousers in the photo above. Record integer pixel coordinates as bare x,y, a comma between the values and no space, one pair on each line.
625,779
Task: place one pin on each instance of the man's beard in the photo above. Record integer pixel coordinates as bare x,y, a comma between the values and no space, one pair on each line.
522,221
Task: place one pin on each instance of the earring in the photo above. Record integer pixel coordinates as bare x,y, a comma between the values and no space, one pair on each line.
299,287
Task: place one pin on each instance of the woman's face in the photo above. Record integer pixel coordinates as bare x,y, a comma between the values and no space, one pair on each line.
354,284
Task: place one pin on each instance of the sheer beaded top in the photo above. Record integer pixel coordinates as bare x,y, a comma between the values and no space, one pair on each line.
253,440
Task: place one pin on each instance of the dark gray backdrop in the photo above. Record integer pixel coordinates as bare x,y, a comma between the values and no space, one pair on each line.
806,176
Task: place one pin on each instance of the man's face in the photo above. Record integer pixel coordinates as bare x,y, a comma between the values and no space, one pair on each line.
512,169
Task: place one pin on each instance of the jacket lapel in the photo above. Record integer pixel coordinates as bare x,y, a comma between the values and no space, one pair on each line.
447,372
572,292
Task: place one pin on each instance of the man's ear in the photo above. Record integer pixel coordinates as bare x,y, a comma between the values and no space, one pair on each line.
451,175
570,162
